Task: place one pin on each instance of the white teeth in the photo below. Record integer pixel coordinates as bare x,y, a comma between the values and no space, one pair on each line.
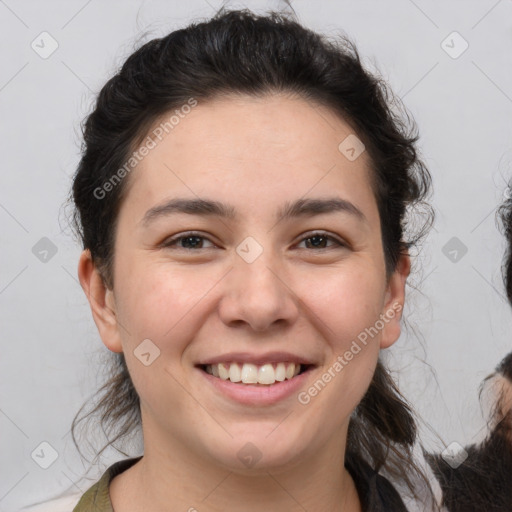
266,374
223,371
248,373
235,374
281,372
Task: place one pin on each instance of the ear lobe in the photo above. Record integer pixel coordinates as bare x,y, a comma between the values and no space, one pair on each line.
394,301
101,301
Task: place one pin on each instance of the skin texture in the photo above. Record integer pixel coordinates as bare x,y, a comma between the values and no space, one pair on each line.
255,154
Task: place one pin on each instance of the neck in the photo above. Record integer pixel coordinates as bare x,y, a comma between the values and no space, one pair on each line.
170,477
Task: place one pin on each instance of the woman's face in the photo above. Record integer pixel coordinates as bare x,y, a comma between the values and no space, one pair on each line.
285,265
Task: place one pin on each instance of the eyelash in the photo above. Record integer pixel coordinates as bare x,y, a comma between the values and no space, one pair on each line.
171,242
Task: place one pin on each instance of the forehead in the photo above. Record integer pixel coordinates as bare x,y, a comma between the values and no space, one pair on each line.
254,150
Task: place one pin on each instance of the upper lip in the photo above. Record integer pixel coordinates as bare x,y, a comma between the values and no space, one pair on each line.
257,359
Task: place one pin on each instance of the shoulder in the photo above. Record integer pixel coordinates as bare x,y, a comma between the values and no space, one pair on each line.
96,498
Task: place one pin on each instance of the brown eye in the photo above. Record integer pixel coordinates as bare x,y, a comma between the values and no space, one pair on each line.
187,241
320,241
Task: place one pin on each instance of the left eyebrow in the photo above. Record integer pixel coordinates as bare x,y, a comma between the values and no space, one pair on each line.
206,207
310,207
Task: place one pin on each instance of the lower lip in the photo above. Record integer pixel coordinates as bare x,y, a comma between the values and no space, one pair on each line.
258,394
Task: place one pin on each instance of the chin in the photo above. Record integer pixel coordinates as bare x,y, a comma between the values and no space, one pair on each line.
257,452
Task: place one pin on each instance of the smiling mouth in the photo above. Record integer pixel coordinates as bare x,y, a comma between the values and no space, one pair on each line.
248,373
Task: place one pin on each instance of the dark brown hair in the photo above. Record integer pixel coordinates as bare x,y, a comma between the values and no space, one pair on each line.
238,52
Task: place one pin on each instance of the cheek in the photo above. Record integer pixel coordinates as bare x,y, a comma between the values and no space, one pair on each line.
346,303
159,302
346,309
162,305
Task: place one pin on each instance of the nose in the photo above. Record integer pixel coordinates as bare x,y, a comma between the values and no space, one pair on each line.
257,295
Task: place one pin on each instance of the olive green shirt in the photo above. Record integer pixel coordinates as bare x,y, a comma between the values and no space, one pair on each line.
97,498
376,492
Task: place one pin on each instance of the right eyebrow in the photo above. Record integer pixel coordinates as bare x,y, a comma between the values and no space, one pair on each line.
191,206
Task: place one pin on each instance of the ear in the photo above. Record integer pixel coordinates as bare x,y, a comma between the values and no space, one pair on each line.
394,301
101,300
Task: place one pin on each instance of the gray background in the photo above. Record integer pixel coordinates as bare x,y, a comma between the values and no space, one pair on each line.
51,352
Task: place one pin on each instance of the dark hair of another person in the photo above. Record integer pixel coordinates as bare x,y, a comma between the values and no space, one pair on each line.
484,480
241,53
505,222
